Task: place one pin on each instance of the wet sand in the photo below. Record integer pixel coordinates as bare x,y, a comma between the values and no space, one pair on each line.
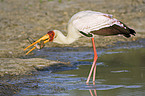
20,19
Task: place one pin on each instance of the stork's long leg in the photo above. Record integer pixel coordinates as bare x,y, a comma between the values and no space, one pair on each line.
94,74
94,63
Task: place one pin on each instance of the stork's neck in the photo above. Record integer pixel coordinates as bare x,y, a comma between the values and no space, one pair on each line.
72,36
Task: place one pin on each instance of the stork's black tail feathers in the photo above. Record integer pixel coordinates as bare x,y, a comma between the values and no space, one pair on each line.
131,32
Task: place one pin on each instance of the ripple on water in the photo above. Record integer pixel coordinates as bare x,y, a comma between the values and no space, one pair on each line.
108,87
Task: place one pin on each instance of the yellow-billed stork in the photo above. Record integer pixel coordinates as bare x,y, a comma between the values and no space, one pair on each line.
87,23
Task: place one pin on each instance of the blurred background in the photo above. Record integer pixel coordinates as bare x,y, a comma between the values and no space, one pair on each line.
22,18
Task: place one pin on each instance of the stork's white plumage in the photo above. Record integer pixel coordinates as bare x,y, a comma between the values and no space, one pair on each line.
87,23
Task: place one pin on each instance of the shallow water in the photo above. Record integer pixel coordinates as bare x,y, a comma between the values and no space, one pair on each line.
120,72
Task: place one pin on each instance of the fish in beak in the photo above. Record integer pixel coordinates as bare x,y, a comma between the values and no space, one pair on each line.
40,43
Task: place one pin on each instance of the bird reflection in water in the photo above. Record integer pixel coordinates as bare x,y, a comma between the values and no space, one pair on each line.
91,91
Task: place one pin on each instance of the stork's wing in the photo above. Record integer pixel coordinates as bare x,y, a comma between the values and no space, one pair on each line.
91,21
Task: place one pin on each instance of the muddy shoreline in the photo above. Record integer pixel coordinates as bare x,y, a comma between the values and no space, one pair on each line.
20,19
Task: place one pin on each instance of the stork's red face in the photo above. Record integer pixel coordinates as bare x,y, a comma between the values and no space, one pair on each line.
51,35
46,38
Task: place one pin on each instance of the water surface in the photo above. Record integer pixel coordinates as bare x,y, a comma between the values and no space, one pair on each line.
120,72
